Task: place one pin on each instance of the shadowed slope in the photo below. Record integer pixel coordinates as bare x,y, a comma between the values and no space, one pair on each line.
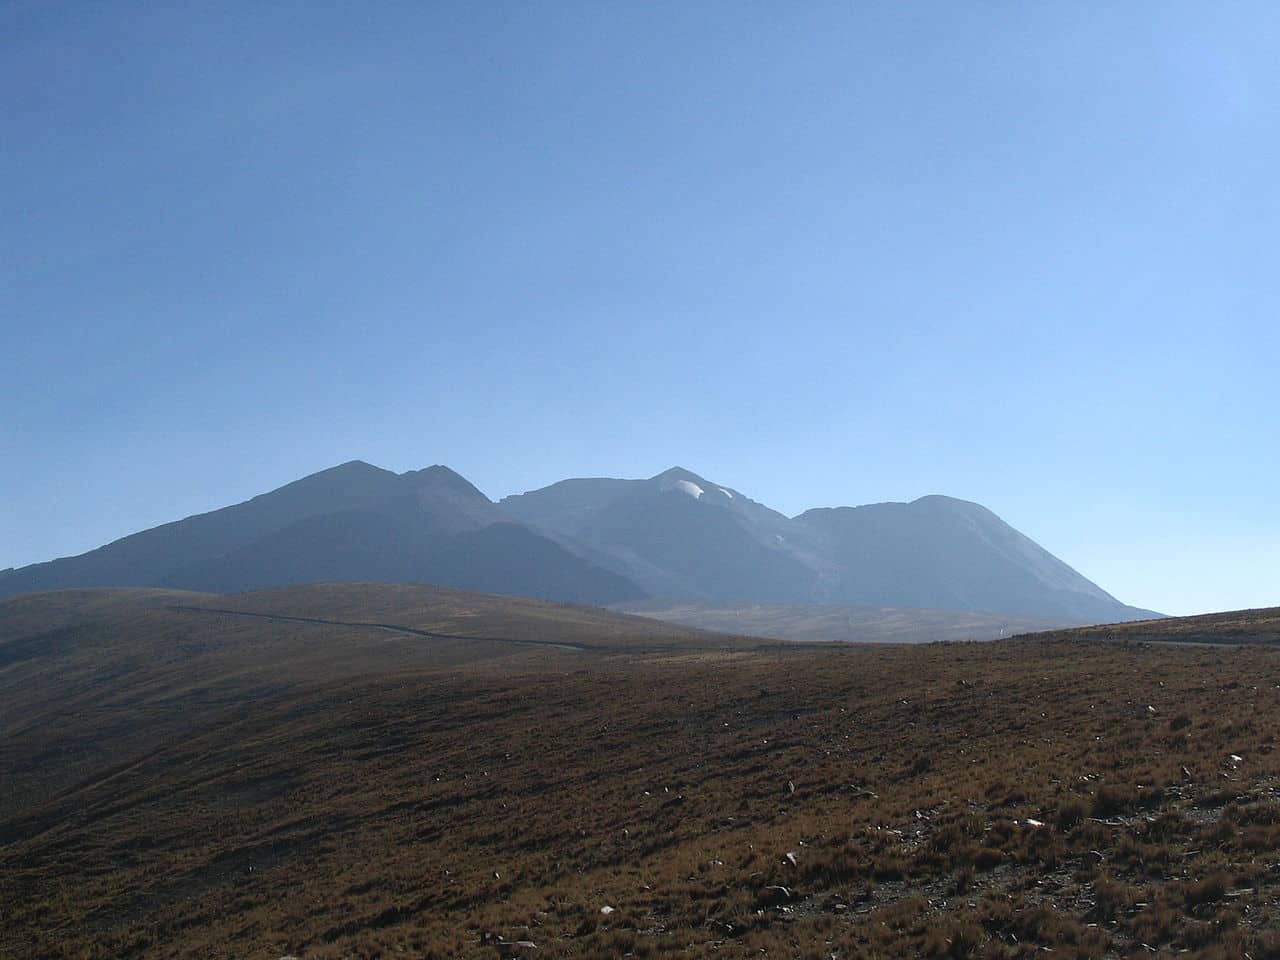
353,522
500,558
146,558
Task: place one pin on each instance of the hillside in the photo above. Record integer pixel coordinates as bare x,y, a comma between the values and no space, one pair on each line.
354,522
939,552
1229,628
107,674
297,773
684,538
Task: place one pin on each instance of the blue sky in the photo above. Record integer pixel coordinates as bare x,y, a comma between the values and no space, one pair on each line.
1023,254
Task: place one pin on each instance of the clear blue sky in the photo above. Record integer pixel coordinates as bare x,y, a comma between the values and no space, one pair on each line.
1020,253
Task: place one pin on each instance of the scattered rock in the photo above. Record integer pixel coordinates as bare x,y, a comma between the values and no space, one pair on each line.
836,902
606,910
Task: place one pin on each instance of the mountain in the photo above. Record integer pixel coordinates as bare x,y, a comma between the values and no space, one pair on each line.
351,522
501,558
675,536
944,553
685,538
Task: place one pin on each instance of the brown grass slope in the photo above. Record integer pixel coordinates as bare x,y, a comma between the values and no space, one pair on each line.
252,787
1233,627
90,678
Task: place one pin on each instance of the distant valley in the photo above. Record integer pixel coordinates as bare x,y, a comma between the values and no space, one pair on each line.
809,622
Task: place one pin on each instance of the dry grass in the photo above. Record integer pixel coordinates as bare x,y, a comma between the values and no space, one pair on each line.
1234,627
274,787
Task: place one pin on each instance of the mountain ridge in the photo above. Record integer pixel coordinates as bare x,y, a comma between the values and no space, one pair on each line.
414,523
889,554
602,540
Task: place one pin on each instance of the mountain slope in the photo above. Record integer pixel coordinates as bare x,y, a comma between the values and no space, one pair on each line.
352,522
950,554
675,534
685,538
502,558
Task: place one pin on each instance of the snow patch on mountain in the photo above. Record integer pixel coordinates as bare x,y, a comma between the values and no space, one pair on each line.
689,487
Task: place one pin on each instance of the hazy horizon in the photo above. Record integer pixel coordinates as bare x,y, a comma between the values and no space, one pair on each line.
828,255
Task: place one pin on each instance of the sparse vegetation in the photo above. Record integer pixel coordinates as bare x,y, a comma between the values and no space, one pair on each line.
179,783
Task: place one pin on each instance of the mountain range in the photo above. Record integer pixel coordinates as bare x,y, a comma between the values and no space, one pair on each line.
594,541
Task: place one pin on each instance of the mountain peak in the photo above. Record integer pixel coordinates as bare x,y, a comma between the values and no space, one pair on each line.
352,468
438,470
439,475
684,481
947,503
672,474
